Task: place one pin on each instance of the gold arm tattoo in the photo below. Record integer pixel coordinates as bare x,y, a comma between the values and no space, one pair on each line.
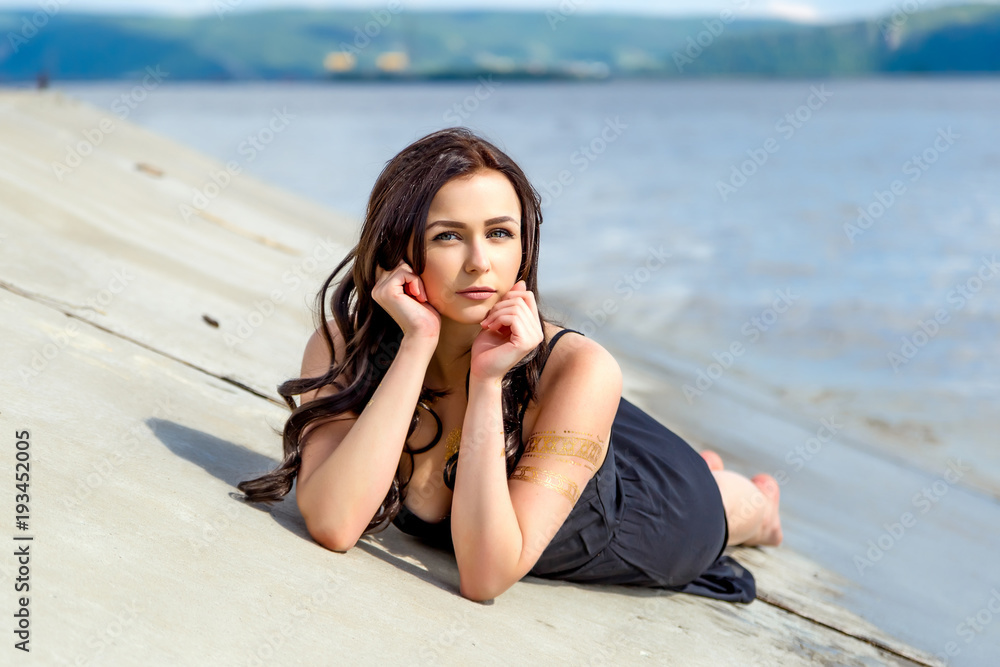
548,479
577,445
543,455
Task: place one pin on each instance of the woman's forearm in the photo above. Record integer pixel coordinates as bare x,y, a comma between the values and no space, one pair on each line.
350,485
485,529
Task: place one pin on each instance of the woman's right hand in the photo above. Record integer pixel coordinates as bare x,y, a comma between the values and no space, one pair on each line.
401,293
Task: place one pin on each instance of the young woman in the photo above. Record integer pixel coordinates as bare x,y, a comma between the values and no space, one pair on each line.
438,399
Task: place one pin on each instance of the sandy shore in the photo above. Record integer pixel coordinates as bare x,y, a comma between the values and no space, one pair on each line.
151,301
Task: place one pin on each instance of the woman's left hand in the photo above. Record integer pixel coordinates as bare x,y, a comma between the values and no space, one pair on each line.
510,331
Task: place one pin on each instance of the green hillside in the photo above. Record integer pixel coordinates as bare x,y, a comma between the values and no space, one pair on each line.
303,44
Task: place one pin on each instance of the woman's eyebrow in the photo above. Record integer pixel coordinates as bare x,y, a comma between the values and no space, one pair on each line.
452,224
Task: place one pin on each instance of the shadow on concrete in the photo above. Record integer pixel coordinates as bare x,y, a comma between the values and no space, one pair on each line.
234,463
230,463
220,458
399,549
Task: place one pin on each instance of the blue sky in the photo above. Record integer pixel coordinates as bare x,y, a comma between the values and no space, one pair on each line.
802,10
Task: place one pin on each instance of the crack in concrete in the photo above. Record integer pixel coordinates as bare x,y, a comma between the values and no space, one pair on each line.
60,306
878,644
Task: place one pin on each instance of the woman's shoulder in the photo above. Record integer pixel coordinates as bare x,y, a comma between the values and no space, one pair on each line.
574,347
575,358
316,359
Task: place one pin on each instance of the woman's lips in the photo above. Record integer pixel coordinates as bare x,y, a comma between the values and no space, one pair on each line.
478,295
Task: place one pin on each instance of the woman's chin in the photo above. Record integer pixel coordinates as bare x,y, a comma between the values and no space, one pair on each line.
467,317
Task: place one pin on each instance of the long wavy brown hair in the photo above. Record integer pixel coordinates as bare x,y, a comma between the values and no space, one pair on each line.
397,210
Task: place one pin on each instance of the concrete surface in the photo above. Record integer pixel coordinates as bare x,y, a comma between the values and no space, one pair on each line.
143,415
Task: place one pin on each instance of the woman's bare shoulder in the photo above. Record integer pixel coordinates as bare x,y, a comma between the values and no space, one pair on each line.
576,357
316,360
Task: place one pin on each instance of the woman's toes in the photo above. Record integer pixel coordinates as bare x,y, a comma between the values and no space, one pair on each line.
714,460
767,485
770,531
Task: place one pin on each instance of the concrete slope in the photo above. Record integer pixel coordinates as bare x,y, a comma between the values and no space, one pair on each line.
143,386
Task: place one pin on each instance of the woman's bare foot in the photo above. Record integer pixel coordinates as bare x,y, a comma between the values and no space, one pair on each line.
714,460
769,533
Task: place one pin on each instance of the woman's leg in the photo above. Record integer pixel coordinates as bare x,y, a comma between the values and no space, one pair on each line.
751,508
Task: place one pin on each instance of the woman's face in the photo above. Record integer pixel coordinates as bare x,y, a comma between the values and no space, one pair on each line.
472,240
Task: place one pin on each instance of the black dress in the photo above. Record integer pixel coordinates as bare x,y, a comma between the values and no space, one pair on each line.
652,516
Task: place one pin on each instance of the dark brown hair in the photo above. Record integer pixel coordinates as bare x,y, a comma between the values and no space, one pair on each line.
397,210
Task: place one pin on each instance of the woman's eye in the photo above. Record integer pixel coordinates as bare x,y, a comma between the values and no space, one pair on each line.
492,234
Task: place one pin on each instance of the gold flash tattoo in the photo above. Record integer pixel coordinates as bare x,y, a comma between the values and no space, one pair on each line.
586,464
548,479
578,445
454,440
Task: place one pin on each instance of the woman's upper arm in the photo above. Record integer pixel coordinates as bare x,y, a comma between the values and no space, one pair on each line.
566,446
316,359
321,437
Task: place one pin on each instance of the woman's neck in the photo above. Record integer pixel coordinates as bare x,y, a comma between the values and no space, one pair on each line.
450,364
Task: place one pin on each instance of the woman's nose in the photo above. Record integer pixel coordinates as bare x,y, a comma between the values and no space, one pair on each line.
479,258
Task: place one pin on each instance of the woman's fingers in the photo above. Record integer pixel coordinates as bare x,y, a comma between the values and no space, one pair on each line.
517,301
502,309
517,322
401,293
413,288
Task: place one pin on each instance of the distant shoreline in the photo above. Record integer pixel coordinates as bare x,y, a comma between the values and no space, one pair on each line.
472,78
389,44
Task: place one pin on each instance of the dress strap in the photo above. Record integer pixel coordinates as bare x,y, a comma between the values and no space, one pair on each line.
552,343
